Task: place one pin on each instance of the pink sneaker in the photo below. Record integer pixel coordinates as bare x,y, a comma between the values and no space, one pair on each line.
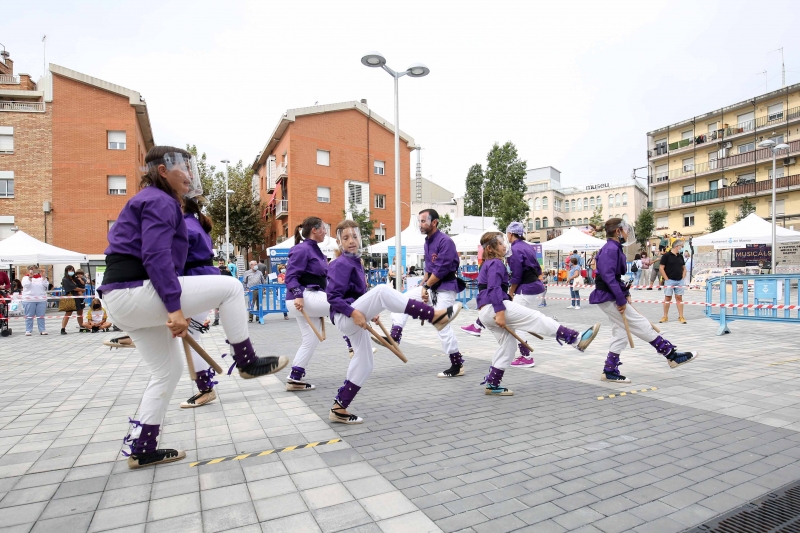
523,362
472,330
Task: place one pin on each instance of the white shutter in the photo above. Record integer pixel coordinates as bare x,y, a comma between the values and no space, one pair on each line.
324,158
662,222
117,185
6,143
357,192
116,140
745,120
379,168
775,111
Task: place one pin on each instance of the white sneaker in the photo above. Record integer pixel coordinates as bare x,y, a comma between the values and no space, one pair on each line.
570,307
578,307
27,333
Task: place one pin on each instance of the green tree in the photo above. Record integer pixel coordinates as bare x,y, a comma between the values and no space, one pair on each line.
716,219
597,216
745,209
472,198
444,223
510,208
365,224
505,173
645,224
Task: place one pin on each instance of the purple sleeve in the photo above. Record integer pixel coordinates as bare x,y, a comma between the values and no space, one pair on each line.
606,269
298,259
338,283
159,226
448,258
517,265
494,285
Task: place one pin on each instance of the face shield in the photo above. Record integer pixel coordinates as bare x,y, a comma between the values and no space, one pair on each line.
501,239
185,164
425,223
629,231
350,242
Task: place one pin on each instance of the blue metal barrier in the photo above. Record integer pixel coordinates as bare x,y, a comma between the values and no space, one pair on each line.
767,290
377,276
469,268
469,293
271,297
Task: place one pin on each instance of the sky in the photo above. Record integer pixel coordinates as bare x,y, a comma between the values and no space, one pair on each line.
574,85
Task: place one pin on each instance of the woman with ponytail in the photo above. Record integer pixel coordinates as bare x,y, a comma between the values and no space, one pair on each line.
612,295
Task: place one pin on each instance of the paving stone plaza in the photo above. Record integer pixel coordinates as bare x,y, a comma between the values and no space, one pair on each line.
432,455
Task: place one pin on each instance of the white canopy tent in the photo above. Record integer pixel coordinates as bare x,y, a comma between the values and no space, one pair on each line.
466,242
22,249
750,230
573,239
413,241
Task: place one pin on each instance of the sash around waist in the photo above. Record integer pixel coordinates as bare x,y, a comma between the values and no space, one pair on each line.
122,267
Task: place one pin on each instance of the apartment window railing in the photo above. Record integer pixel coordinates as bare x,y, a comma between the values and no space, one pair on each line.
282,207
751,188
8,79
680,144
780,116
22,107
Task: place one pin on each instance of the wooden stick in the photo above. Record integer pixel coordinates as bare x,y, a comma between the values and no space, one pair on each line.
536,335
514,334
627,329
388,336
317,333
651,324
387,345
189,362
202,353
322,323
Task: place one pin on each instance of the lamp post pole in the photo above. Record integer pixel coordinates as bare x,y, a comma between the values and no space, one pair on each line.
227,215
775,147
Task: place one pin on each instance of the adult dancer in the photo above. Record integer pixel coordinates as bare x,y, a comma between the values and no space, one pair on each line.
145,295
440,287
525,283
498,312
351,307
611,294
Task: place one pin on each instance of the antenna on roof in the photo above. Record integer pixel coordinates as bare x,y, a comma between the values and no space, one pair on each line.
44,55
783,67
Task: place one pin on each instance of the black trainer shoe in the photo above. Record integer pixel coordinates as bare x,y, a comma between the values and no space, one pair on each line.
263,366
677,358
452,372
616,377
157,457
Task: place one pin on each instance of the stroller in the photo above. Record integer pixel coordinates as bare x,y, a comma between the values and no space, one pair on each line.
5,299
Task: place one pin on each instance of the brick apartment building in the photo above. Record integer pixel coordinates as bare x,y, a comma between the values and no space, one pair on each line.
320,159
72,144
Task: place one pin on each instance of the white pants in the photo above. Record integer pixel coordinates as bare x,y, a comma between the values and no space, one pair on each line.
315,304
140,312
529,301
371,304
639,325
517,317
444,299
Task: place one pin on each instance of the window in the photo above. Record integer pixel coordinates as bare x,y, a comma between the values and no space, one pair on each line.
775,112
661,146
745,122
117,185
380,201
616,200
779,172
111,224
357,193
746,147
591,203
750,177
780,211
324,158
544,222
713,185
573,222
324,194
573,205
566,206
379,167
662,222
538,224
688,220
688,164
585,220
537,203
624,198
599,202
778,139
556,204
544,204
6,184
585,204
625,217
380,235
610,200
6,140
712,127
116,140
688,134
688,189
712,159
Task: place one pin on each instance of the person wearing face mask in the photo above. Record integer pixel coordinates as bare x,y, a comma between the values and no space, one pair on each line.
673,270
612,295
352,305
34,299
250,279
147,295
497,311
97,318
73,291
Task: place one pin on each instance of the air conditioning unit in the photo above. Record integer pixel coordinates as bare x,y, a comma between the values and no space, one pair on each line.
727,145
723,182
688,168
789,161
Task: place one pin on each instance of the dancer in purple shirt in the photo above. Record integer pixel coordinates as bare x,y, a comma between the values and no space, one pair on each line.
145,294
612,296
351,307
498,312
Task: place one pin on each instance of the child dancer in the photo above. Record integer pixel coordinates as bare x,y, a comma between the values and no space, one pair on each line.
612,296
351,307
498,312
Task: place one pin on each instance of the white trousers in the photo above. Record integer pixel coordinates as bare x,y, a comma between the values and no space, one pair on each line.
639,325
140,312
529,301
315,304
371,304
444,299
517,317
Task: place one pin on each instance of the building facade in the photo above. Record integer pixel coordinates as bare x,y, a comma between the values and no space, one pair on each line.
70,151
320,160
554,206
713,160
428,195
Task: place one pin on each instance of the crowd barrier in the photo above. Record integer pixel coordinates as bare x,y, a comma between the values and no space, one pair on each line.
267,299
770,301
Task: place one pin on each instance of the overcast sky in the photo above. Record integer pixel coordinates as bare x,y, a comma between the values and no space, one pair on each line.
575,85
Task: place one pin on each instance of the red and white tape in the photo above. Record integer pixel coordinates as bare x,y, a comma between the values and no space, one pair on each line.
705,304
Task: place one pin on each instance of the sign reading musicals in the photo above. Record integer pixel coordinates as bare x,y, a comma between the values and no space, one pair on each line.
598,186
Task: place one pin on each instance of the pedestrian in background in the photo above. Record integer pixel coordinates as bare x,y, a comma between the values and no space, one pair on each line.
644,277
73,290
574,273
34,299
673,270
687,259
250,279
232,269
636,269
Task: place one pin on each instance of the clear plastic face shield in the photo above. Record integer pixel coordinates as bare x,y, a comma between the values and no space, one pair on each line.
425,223
350,242
501,239
629,236
181,169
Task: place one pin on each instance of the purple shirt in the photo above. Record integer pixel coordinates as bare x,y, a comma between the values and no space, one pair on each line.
151,228
346,283
200,248
304,258
611,264
441,259
523,258
494,275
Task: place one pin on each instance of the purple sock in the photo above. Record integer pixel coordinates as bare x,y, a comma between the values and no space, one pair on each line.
524,351
146,441
346,393
662,346
297,373
347,340
396,333
243,353
612,363
417,309
456,359
480,324
570,336
205,380
494,377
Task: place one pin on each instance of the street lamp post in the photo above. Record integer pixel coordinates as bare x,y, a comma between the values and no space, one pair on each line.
227,214
775,147
417,70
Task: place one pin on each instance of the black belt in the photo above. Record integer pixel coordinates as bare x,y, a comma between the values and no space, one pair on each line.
603,286
307,279
352,294
199,263
529,275
122,267
483,287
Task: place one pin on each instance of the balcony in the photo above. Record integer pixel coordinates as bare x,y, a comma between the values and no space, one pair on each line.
282,208
8,79
754,188
22,107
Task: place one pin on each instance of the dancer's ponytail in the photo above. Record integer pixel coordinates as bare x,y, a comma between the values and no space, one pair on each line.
303,230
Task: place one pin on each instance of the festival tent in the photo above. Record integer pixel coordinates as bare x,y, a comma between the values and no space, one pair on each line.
22,249
573,239
411,239
466,242
750,230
